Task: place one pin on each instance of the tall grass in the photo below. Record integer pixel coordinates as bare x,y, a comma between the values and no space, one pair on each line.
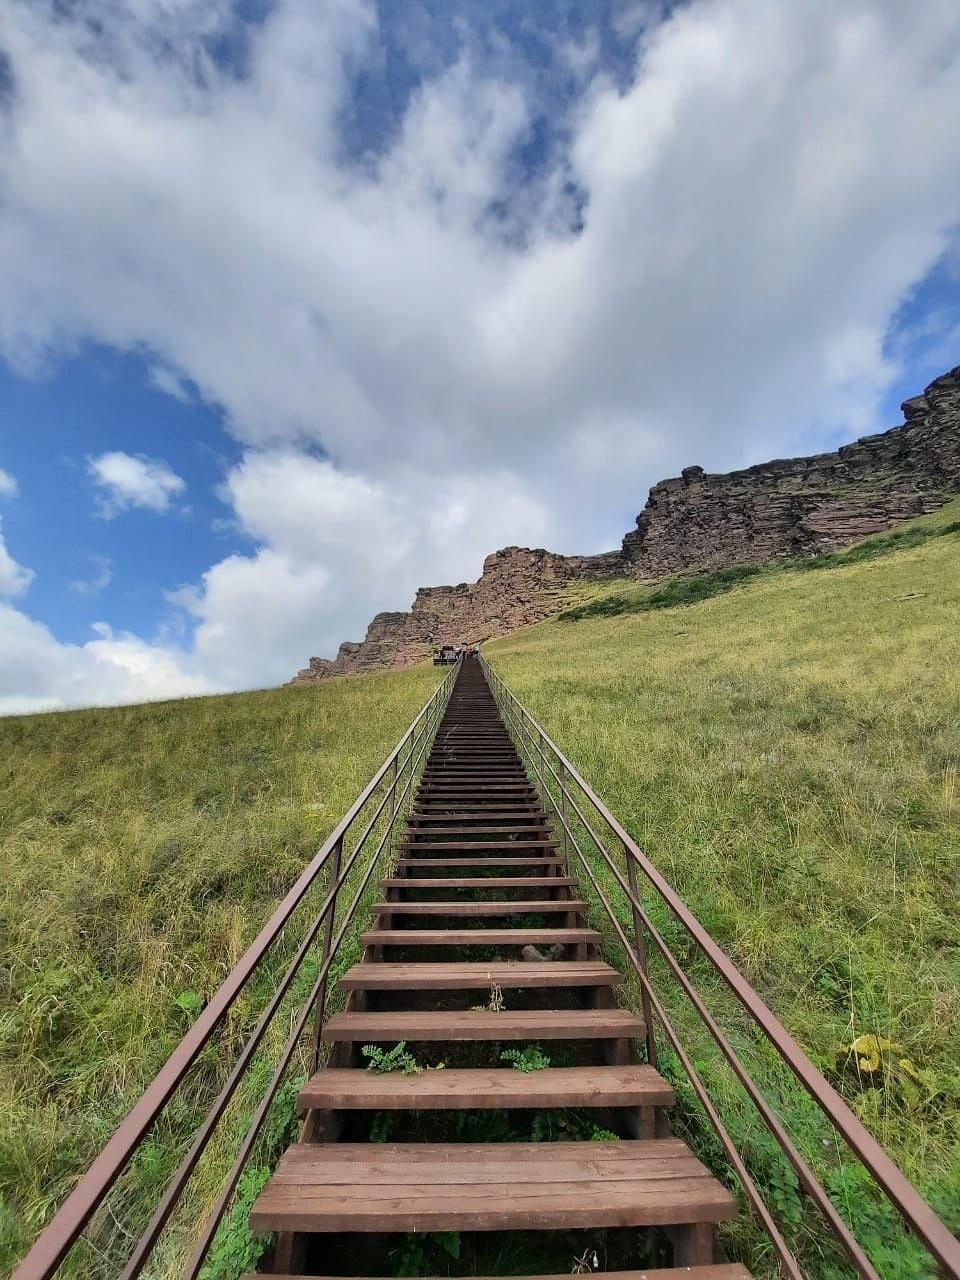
141,850
788,753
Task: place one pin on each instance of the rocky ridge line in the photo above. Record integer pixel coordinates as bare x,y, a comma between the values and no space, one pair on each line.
783,508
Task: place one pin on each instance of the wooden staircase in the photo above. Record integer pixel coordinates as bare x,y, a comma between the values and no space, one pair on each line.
481,874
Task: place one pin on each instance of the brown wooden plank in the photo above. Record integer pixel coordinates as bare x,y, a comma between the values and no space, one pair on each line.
477,975
482,1024
443,813
478,882
718,1271
493,786
458,846
531,906
481,831
414,863
478,1187
469,1088
475,937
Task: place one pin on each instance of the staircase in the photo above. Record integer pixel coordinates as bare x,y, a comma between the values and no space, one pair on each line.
480,943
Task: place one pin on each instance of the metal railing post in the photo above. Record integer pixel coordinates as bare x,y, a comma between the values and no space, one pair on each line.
394,783
328,927
564,812
642,959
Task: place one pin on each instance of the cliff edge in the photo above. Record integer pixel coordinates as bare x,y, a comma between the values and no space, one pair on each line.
784,508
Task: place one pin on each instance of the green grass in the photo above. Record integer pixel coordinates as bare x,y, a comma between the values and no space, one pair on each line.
141,850
787,751
785,743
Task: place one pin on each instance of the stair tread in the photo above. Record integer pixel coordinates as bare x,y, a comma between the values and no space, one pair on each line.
480,862
433,785
525,906
441,813
326,1187
478,831
477,974
545,843
474,1088
716,1271
474,937
478,882
482,1024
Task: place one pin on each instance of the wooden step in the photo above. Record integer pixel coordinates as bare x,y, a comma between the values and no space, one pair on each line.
414,863
718,1271
429,787
441,814
477,937
457,846
532,906
346,1186
481,1024
478,975
455,1089
469,790
477,831
465,763
496,753
482,774
478,882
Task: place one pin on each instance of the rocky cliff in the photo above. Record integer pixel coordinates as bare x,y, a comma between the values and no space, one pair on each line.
802,506
518,586
798,506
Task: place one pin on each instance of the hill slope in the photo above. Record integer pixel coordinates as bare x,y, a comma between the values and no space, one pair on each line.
772,511
788,753
141,850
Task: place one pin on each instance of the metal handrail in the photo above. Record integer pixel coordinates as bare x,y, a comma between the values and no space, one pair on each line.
913,1209
66,1227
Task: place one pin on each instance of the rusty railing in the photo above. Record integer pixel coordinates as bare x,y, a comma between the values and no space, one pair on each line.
370,822
581,816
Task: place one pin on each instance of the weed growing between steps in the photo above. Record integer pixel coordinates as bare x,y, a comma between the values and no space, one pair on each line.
142,849
490,1253
788,754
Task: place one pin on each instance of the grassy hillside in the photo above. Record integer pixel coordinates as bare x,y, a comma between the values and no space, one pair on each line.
140,850
788,752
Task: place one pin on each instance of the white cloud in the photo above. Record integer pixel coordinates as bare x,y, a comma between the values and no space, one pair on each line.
100,580
125,481
753,211
335,549
14,578
8,485
38,673
169,382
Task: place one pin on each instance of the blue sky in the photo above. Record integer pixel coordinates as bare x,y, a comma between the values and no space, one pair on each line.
305,306
90,404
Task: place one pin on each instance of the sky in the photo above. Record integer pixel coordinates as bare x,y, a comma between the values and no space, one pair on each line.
306,305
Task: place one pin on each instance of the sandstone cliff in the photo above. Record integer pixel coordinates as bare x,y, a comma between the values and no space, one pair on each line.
799,506
518,586
802,506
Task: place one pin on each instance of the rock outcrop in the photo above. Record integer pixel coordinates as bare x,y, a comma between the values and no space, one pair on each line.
802,506
793,507
517,586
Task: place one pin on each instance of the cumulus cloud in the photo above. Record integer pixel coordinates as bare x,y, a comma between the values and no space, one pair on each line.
39,673
125,480
99,581
8,485
14,578
706,272
169,382
334,549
